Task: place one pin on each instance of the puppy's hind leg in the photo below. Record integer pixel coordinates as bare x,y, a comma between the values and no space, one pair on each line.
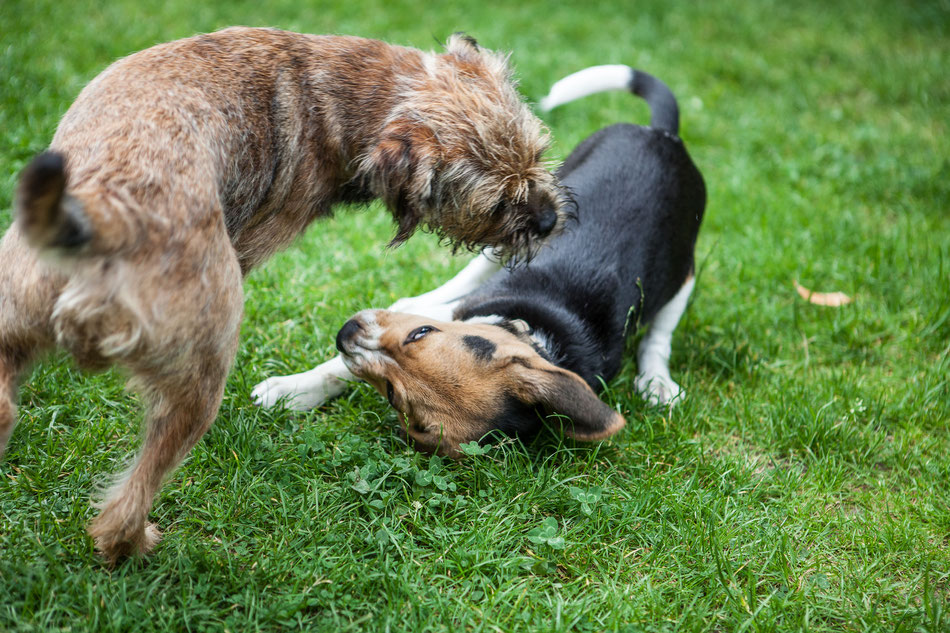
653,356
28,290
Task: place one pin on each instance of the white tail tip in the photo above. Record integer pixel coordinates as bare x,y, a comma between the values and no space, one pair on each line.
587,82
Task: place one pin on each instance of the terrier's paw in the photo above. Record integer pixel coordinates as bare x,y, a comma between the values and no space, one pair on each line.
116,542
152,537
291,391
659,390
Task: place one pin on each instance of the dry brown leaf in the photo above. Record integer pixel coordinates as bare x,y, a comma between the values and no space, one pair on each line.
833,299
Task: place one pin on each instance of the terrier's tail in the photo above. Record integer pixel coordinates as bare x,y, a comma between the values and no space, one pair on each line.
48,216
664,113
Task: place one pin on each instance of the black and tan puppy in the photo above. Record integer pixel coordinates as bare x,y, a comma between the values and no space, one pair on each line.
181,167
543,336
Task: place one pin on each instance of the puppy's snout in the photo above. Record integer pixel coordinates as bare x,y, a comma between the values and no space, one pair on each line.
546,222
350,329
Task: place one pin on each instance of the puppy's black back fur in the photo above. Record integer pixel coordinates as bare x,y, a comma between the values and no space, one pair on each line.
640,200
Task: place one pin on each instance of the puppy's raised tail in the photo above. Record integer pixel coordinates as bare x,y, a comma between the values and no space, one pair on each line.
48,216
664,113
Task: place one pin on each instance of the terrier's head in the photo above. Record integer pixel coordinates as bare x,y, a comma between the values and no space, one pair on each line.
462,155
455,382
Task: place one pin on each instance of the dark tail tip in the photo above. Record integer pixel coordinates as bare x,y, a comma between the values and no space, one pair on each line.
664,112
43,178
45,217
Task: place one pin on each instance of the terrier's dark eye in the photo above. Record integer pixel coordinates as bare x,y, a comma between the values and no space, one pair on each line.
418,333
390,394
499,208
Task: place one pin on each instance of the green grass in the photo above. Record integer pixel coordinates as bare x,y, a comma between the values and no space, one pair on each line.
804,484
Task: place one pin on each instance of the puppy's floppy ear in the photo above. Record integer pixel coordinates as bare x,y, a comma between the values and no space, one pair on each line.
564,393
463,46
400,168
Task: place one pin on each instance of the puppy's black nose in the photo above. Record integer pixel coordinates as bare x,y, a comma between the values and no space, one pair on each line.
348,331
546,222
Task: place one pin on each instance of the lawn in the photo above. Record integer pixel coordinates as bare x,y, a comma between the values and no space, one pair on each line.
804,485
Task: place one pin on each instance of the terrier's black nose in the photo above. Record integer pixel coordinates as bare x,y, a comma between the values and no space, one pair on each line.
348,331
546,222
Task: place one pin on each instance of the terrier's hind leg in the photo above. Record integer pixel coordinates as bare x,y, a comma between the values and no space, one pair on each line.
11,366
180,368
180,410
28,290
653,356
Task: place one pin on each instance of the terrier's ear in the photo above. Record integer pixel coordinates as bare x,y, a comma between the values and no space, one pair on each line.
400,168
564,393
407,220
463,46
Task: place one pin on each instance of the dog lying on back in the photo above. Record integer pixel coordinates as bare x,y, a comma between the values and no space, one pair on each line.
543,336
180,168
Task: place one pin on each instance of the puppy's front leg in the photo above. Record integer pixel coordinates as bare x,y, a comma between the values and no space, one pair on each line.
310,389
307,390
475,273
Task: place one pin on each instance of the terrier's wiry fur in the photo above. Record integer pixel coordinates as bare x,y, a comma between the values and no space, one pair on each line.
181,167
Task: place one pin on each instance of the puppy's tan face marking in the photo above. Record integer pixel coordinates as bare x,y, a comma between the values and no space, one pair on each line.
453,382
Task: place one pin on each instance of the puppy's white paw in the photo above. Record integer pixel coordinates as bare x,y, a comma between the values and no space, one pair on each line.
658,389
295,393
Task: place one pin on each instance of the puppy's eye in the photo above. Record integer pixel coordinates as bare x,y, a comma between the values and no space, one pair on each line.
390,393
418,333
499,208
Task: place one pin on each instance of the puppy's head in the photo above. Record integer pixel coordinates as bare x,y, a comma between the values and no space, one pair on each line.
455,382
462,155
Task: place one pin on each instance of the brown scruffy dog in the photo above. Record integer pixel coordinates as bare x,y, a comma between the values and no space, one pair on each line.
181,167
